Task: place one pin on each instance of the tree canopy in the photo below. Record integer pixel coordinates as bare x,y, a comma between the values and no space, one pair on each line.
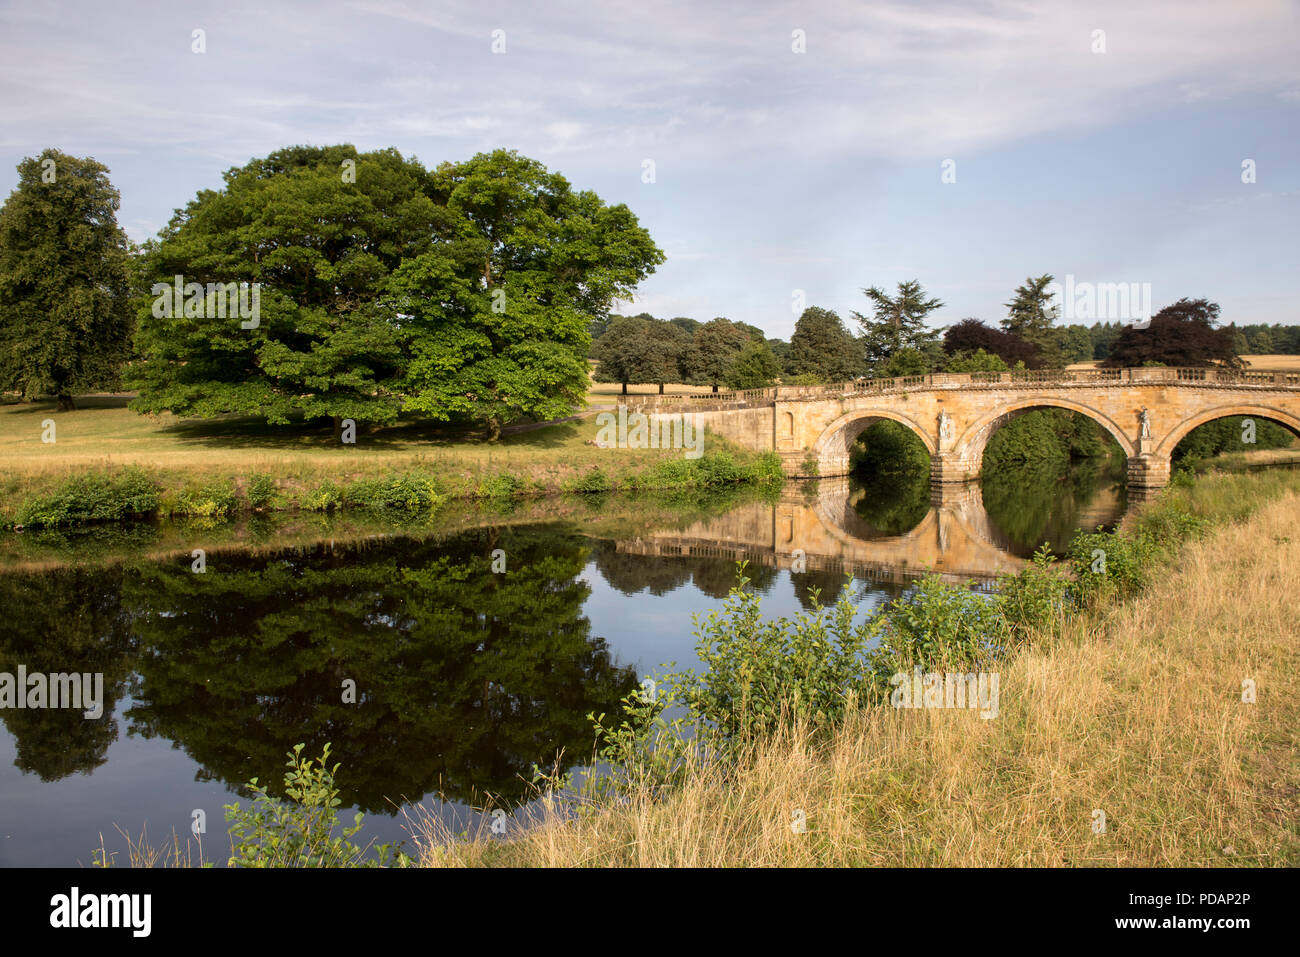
897,322
499,310
1030,315
638,349
1181,334
971,335
65,318
713,347
753,367
464,293
821,346
322,249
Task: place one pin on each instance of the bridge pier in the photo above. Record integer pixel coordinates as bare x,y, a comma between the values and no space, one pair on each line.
1148,472
951,468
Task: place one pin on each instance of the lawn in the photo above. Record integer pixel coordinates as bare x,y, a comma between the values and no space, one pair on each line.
102,433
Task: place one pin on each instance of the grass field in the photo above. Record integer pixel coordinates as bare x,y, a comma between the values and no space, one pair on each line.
102,433
1136,711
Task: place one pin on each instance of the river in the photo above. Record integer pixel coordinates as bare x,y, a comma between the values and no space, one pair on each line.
476,644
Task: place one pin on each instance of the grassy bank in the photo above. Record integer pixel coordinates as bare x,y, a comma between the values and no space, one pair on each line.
108,463
1131,708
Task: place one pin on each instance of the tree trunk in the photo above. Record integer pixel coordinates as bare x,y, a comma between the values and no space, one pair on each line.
661,388
715,387
494,428
66,404
625,388
338,428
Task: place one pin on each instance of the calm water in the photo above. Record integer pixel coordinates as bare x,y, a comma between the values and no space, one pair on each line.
465,677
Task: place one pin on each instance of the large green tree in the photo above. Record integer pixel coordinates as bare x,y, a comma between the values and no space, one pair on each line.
713,347
1030,315
636,349
499,310
65,319
754,367
897,322
823,347
320,230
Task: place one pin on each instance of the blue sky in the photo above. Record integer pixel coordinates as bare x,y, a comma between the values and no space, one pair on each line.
775,171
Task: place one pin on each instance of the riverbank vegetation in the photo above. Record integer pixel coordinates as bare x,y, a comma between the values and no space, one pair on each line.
108,463
1163,704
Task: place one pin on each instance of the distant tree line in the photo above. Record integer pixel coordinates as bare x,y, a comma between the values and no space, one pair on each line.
893,339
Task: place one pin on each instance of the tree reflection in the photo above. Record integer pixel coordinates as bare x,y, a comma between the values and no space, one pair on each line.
464,677
69,620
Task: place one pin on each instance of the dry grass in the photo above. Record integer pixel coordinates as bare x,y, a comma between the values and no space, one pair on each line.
1138,713
1271,362
609,392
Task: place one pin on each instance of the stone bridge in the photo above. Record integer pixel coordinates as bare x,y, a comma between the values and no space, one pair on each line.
1147,411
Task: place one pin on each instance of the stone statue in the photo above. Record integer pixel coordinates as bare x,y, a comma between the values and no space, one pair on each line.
945,427
1145,418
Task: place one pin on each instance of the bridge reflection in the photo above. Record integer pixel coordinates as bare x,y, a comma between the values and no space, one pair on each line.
818,523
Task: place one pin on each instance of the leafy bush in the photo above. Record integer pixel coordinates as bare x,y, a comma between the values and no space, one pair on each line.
499,486
216,501
1037,597
403,493
645,753
1109,566
300,832
95,497
936,624
261,491
720,468
591,483
326,498
757,673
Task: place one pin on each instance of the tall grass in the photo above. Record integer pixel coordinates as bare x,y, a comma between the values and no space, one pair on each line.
1133,708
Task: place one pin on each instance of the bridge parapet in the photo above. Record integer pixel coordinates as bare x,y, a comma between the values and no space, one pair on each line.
1016,379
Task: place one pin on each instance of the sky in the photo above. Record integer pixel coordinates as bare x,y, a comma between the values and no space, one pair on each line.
799,150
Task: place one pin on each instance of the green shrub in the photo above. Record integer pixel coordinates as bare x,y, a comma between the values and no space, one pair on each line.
592,483
403,493
216,501
325,498
757,673
1109,566
810,466
1037,597
937,624
94,497
499,486
261,491
300,832
720,468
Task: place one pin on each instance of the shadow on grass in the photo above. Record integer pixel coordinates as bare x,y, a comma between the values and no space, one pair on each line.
250,432
13,405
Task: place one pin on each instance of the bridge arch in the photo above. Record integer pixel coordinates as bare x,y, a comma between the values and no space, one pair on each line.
836,440
1184,428
970,444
